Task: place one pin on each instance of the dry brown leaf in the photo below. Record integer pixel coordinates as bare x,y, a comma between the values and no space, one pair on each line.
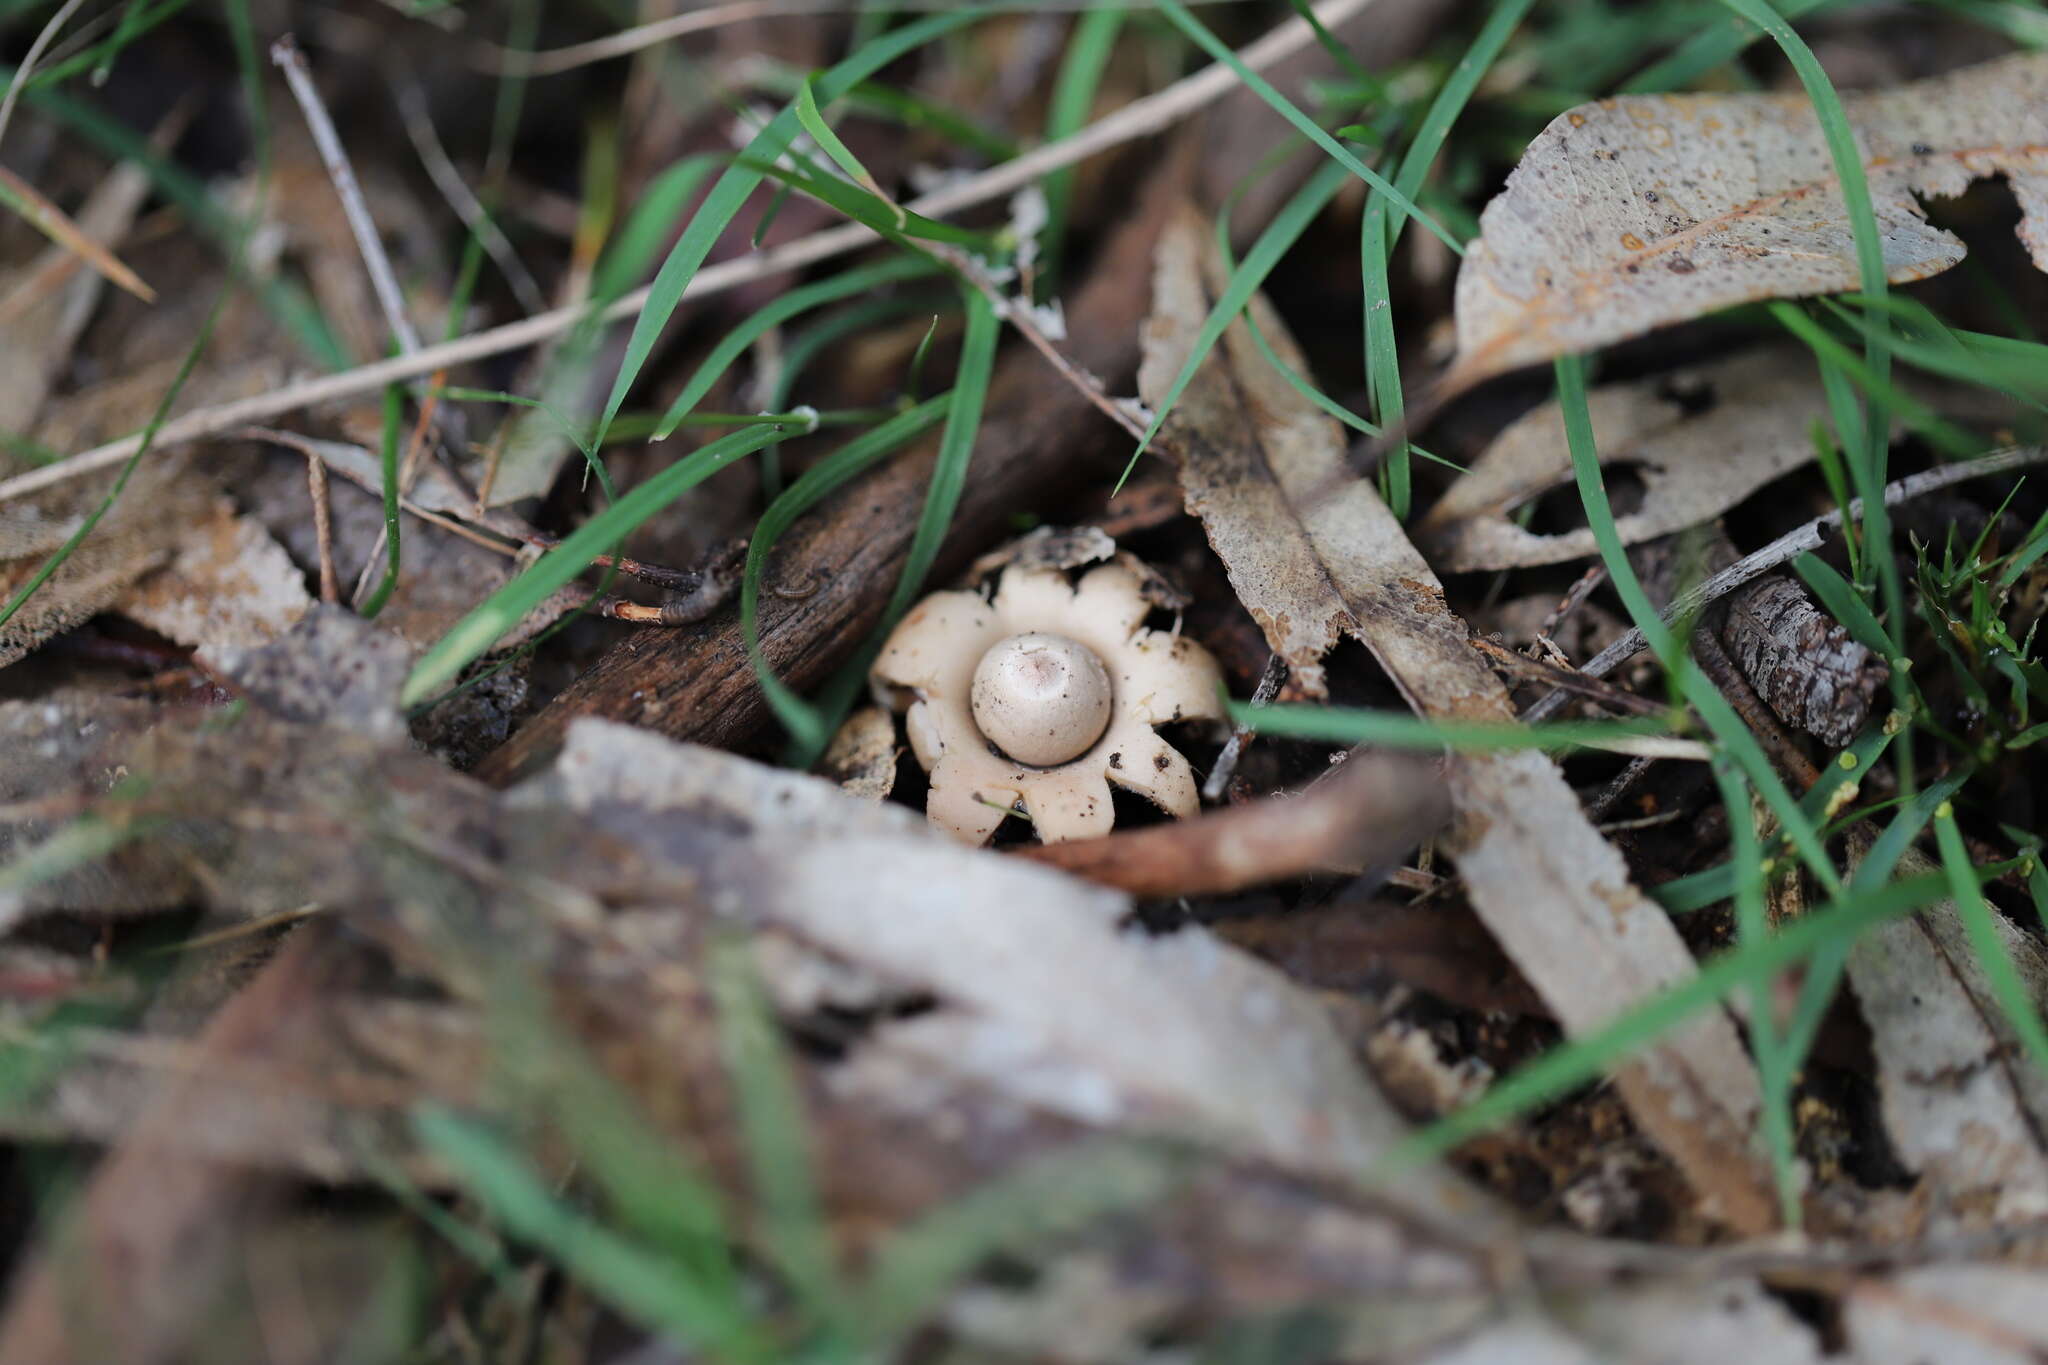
1632,213
229,586
1964,1107
1695,464
1366,815
1554,893
140,532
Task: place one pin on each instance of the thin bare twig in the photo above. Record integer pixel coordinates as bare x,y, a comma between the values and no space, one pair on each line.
28,63
506,61
323,451
1226,762
1785,548
323,526
1018,313
1138,119
285,53
1569,678
1574,597
419,127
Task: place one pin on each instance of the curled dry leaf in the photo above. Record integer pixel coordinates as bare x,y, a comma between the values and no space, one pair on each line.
1702,439
1369,813
1558,897
1633,213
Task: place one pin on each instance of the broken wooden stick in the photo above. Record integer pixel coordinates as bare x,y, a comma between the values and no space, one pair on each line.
1367,813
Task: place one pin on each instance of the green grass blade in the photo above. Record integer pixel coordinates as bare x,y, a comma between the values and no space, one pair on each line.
1073,97
734,343
641,1284
394,425
1587,1057
1381,231
1715,44
1281,105
1752,926
1992,955
1044,1198
649,223
1727,727
477,632
1401,730
732,189
808,344
949,476
1867,461
956,449
1273,242
813,121
1846,605
775,1134
1952,439
806,726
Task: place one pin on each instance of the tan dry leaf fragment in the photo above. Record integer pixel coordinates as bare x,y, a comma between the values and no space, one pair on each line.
1694,464
45,306
1964,1108
141,532
1554,893
229,586
1956,1314
1632,213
